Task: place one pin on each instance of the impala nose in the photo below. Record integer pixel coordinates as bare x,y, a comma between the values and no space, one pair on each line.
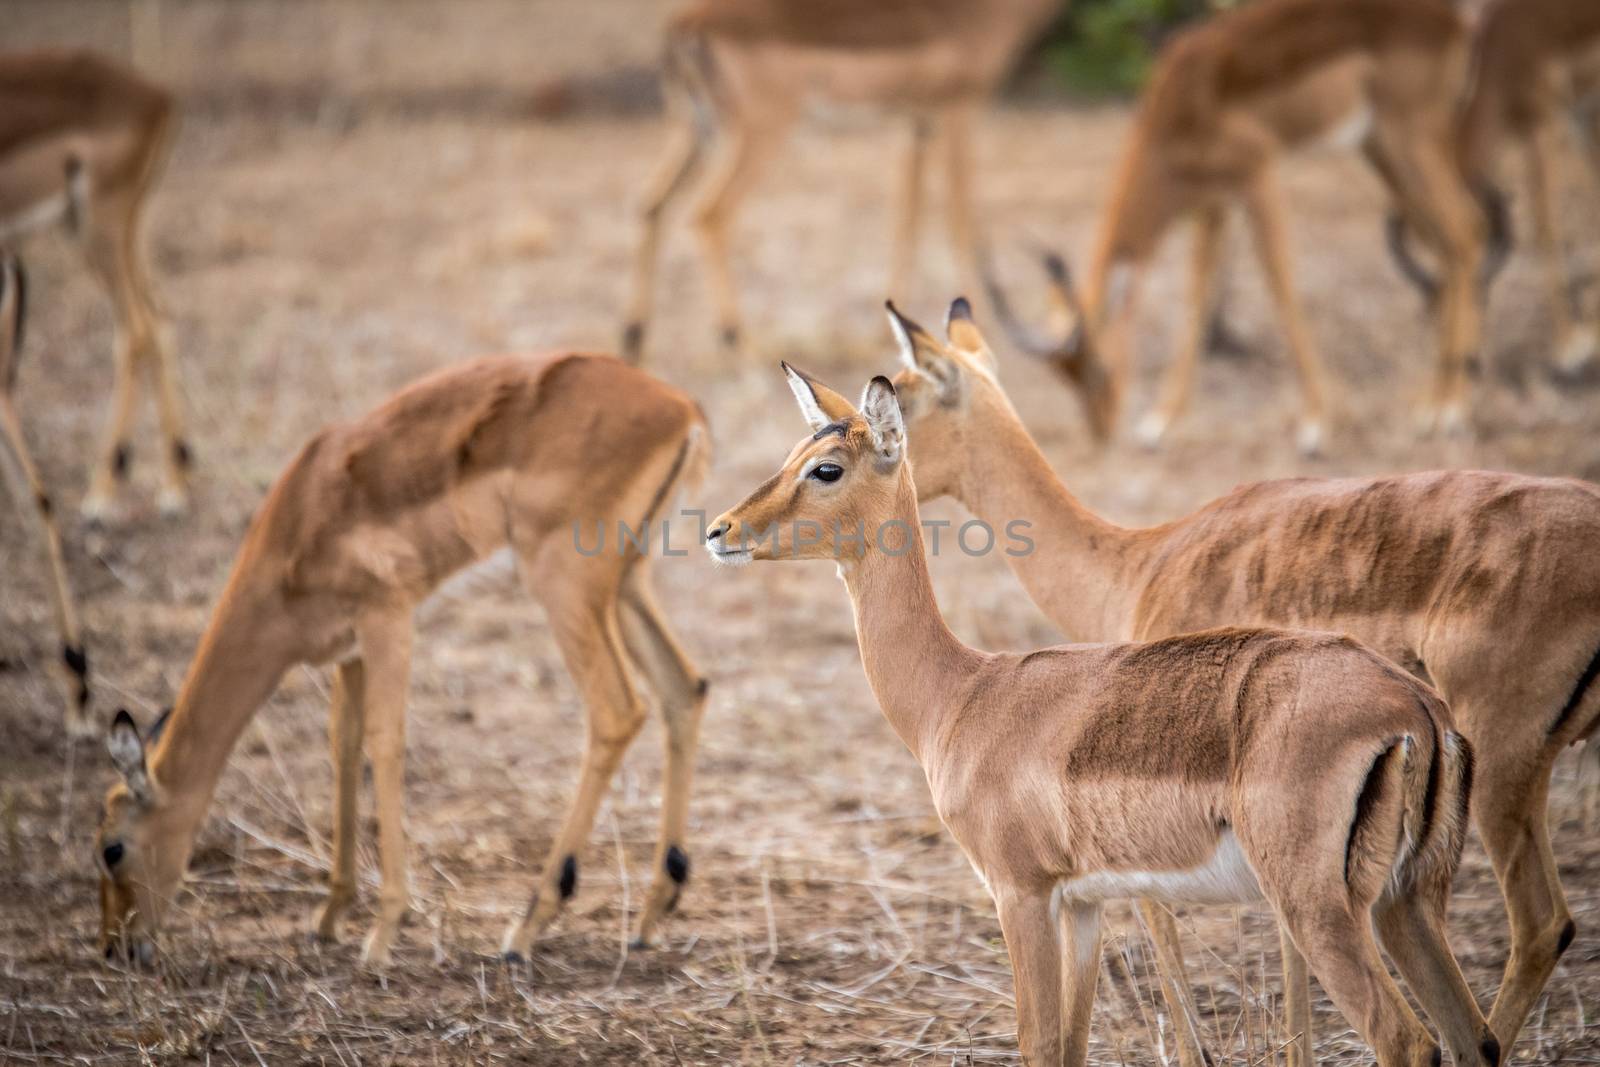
716,531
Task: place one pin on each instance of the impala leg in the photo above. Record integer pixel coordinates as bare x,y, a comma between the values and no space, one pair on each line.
1510,808
1264,208
586,629
1080,944
749,147
677,168
908,217
1035,948
177,455
1589,782
1162,930
385,642
961,198
1575,340
116,451
1296,1002
27,485
682,693
1178,384
1412,927
1436,200
346,725
1336,940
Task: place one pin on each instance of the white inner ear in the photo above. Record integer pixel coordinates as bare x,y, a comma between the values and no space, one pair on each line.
806,399
882,411
127,756
902,336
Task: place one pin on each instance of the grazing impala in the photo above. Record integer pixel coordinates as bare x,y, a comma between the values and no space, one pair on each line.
1229,99
1228,765
26,485
1535,62
1484,585
506,453
82,142
748,69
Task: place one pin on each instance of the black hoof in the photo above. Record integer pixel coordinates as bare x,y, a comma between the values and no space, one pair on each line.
1491,1051
512,956
638,944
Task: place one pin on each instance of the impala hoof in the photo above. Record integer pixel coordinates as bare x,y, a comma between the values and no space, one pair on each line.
173,503
1309,438
1578,350
97,510
1152,430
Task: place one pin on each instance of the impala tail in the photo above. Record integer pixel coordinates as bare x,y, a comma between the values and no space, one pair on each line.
1411,814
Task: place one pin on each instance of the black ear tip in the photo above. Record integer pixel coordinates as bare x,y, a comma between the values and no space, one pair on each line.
1056,266
880,380
122,718
960,308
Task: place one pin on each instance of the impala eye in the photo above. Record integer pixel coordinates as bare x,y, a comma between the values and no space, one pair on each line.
827,472
112,854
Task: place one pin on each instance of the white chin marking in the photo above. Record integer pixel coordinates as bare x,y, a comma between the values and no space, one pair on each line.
734,557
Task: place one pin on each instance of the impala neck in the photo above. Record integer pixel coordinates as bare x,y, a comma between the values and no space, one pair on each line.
244,651
1080,569
912,660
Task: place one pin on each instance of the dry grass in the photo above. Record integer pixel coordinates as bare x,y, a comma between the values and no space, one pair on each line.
311,269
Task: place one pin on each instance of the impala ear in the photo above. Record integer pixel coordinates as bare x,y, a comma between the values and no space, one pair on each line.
820,405
127,755
881,408
921,352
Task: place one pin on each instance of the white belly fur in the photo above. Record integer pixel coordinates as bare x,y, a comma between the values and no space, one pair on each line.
1226,878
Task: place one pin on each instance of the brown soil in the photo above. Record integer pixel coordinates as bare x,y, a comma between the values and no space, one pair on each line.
312,268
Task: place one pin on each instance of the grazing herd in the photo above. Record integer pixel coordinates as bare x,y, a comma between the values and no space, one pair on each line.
1302,693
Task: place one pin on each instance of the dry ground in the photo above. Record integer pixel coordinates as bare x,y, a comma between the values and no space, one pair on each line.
311,269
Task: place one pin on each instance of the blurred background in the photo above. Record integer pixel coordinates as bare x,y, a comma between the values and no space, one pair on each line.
362,192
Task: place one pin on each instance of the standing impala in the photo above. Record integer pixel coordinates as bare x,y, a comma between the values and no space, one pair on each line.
82,142
1485,585
1228,100
747,70
505,453
1229,765
28,490
1535,63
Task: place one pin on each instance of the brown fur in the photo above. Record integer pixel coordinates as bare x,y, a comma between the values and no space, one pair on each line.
1536,62
370,517
749,70
75,126
29,494
1228,100
1058,767
1485,584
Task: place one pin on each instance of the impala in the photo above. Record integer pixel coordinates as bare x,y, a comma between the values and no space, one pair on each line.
1484,585
1535,62
1228,101
1227,765
747,70
82,142
26,485
506,453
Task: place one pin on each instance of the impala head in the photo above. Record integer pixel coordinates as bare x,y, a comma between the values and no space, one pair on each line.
835,492
950,399
1075,346
138,868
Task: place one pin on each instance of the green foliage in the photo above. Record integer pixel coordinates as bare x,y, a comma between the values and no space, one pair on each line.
1107,46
